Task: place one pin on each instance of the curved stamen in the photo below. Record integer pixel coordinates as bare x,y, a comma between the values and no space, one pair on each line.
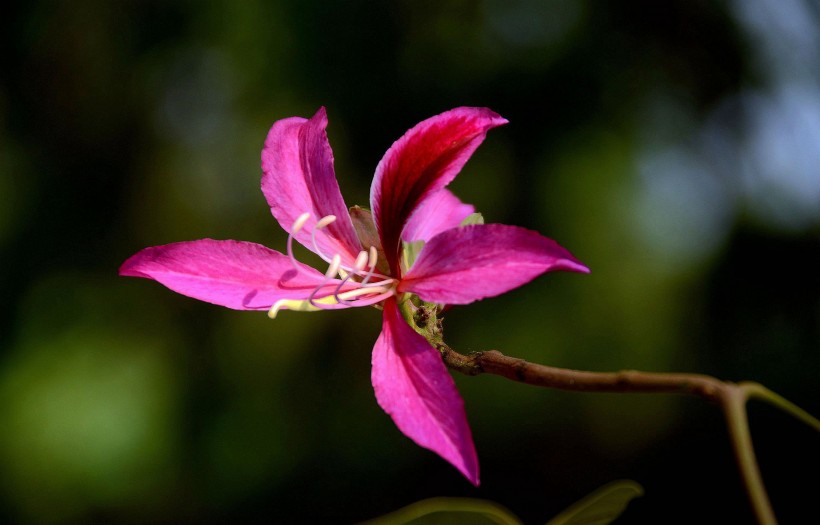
358,266
376,299
297,226
342,300
362,293
333,269
324,221
377,284
357,292
373,258
361,262
330,274
300,222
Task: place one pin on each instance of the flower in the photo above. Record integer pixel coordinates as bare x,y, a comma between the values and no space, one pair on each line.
371,259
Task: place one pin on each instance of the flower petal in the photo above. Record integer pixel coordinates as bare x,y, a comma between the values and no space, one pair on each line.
465,264
421,162
441,211
413,386
298,177
236,274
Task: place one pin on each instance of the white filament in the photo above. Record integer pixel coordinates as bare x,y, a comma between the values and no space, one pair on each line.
362,293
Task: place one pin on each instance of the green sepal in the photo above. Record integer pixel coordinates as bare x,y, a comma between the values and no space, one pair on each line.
410,252
473,218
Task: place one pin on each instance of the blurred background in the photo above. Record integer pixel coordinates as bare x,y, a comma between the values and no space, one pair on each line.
673,147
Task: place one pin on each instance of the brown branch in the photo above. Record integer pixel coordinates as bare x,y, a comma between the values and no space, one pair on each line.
427,321
730,396
496,363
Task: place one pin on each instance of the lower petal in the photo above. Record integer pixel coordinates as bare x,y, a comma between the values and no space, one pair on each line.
414,387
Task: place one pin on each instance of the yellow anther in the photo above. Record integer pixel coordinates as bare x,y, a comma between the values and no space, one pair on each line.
324,221
361,262
300,222
333,269
374,257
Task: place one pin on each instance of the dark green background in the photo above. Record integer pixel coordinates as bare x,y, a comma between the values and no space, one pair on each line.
671,146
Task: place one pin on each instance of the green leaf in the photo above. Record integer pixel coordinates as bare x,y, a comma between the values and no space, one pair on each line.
449,511
600,507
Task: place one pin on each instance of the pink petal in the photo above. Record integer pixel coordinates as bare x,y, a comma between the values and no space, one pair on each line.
236,274
421,162
440,211
465,264
298,177
413,386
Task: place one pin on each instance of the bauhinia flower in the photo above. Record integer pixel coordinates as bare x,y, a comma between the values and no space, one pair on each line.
373,259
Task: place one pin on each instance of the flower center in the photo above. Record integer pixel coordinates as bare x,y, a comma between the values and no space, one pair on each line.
359,285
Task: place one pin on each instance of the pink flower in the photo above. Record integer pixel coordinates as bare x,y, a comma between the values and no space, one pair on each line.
369,259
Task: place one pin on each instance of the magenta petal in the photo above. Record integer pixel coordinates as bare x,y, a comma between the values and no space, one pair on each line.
462,265
236,274
440,211
298,177
413,386
421,162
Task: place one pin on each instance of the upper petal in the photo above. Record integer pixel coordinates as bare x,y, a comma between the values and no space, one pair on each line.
298,177
465,264
236,274
424,160
413,386
440,211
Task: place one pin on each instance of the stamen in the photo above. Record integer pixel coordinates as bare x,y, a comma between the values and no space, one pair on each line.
297,226
324,221
361,262
363,293
330,274
337,300
351,294
376,284
333,269
374,257
358,266
376,298
300,222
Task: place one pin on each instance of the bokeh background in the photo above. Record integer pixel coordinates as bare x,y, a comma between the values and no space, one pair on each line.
674,147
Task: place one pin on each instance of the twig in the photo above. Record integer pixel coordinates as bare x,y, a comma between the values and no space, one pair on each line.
731,397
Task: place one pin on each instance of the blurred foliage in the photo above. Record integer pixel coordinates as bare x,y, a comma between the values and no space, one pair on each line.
601,507
671,146
452,511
